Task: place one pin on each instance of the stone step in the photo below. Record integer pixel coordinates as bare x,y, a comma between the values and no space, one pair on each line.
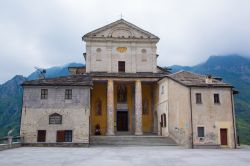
132,140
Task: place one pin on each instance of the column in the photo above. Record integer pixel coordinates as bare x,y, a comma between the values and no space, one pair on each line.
138,108
110,108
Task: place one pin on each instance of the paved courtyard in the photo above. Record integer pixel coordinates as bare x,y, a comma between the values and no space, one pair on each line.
121,156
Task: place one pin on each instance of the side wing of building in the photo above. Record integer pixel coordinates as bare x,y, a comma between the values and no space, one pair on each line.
55,113
199,113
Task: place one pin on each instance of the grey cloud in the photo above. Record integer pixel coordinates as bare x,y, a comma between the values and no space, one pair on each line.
48,33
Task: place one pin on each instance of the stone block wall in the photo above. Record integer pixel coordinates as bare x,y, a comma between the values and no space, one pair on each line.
36,111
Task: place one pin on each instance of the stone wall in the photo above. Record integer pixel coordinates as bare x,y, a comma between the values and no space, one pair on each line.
174,99
213,116
75,113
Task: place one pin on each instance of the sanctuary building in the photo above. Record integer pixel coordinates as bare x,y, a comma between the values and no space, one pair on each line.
122,94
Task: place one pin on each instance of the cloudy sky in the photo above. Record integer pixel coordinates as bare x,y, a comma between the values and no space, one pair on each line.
48,33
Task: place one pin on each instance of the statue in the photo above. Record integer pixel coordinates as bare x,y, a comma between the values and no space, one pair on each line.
122,94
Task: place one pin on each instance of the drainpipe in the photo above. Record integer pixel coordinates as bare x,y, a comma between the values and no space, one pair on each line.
191,116
233,116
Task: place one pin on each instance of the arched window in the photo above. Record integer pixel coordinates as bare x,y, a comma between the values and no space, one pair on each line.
55,118
144,55
98,54
163,120
98,107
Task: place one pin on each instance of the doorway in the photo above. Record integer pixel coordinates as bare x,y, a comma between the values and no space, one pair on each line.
122,120
223,136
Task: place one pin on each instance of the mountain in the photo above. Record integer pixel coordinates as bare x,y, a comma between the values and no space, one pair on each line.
11,97
55,71
10,104
234,69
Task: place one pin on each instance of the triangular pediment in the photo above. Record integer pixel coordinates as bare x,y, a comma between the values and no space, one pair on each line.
120,29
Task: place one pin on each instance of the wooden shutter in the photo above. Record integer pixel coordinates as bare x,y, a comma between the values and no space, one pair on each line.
60,136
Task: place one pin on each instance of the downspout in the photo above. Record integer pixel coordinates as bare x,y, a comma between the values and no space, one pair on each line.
233,116
191,116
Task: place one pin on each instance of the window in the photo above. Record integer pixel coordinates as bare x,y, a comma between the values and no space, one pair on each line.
162,89
55,119
68,94
163,120
216,98
144,55
121,66
68,136
201,132
198,98
64,136
98,54
44,93
41,135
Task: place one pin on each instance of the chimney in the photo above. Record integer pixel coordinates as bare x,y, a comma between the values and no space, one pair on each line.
209,79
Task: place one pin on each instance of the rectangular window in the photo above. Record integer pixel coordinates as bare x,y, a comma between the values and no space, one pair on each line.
44,93
121,66
201,131
41,136
64,136
68,136
216,98
68,94
198,98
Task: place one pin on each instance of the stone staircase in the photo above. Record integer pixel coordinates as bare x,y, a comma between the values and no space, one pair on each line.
123,140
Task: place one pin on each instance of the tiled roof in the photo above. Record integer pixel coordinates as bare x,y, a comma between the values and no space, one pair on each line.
72,80
191,79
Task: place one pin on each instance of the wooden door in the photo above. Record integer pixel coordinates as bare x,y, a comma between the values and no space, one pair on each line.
41,136
60,136
223,136
122,121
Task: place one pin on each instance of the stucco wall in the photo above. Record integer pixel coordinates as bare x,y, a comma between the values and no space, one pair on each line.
213,116
163,106
75,113
179,113
107,59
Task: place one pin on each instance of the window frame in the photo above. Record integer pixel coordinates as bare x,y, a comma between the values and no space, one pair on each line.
67,135
198,98
55,114
44,94
121,66
44,136
216,98
68,94
198,134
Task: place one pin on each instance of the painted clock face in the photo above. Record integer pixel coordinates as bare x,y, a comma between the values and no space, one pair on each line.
121,49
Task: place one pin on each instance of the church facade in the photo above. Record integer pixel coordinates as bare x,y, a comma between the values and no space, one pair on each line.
122,91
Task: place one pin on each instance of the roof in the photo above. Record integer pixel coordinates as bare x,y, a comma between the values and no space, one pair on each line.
128,75
120,21
72,80
191,79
